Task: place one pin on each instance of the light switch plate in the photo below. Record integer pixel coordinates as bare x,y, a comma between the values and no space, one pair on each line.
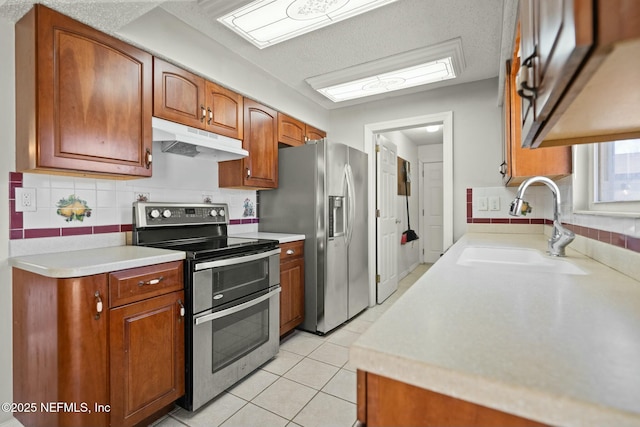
494,203
482,203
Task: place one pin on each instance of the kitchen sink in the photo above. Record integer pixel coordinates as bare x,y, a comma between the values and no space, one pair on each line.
521,258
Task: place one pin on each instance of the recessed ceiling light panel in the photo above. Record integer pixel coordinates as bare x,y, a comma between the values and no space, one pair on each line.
421,74
409,69
267,22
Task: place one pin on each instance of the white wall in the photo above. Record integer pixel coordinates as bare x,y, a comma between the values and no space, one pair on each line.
477,134
7,142
408,254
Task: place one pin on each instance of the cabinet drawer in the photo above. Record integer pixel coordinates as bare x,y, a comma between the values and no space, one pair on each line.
135,284
291,250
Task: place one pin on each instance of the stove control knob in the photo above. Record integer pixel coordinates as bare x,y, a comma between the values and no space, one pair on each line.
155,213
221,212
166,213
213,212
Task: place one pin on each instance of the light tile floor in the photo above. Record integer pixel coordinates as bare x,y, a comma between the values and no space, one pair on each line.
309,383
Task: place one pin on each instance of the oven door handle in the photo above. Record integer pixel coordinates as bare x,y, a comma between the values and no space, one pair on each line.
229,311
235,261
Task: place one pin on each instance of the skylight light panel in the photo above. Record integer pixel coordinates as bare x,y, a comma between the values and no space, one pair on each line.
267,22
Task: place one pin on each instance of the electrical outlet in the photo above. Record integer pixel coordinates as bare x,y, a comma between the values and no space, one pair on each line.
482,203
494,203
25,199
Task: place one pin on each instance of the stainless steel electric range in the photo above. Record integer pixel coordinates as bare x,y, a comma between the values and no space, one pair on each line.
232,288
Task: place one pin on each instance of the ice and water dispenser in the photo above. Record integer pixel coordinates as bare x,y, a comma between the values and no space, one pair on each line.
336,216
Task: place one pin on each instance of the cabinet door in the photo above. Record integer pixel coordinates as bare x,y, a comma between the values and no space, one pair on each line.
292,285
147,357
60,348
178,95
290,131
84,98
314,133
524,163
557,41
225,112
261,141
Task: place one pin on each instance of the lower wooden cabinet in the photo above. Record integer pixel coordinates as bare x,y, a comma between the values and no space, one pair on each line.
147,357
99,350
386,402
60,350
292,285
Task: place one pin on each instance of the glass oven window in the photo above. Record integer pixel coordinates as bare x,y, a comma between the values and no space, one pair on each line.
236,281
239,333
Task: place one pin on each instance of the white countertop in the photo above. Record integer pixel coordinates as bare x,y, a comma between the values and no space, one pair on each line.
280,237
557,348
93,261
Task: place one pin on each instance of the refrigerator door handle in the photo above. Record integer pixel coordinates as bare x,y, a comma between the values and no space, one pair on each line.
351,199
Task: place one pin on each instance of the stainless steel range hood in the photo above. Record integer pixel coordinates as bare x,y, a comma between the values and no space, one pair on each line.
192,142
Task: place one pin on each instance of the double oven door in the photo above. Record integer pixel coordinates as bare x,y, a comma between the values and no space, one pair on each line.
235,324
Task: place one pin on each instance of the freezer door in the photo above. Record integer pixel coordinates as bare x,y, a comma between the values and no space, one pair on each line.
334,311
358,246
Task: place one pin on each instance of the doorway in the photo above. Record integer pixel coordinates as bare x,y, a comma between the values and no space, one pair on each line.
370,130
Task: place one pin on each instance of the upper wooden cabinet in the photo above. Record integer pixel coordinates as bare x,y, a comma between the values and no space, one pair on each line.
294,132
580,60
187,98
522,163
259,170
83,99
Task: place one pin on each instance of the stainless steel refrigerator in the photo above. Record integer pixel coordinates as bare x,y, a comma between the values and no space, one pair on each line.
322,193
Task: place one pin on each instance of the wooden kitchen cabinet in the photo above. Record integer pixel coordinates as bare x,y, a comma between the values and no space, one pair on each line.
522,163
386,402
292,285
583,57
83,99
259,170
183,97
60,348
113,342
146,341
293,132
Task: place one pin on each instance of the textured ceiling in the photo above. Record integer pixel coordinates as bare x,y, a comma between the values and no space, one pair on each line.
483,26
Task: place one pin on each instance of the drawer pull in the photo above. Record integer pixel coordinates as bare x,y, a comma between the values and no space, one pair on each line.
98,305
151,282
181,308
290,252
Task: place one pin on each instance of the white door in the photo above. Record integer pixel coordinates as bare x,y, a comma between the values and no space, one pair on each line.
388,239
432,211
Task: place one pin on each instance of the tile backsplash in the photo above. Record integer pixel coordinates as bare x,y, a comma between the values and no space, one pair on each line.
68,206
615,230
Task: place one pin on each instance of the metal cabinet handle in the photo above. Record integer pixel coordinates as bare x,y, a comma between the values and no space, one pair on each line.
98,305
524,88
210,115
203,113
248,173
151,282
290,252
148,158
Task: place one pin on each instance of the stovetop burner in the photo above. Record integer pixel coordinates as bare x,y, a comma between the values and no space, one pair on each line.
220,246
200,230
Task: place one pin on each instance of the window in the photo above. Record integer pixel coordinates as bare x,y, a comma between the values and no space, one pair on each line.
606,178
617,171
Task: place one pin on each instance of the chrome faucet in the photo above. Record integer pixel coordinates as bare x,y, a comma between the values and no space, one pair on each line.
560,236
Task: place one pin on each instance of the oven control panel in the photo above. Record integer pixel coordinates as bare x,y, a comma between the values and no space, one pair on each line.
159,214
